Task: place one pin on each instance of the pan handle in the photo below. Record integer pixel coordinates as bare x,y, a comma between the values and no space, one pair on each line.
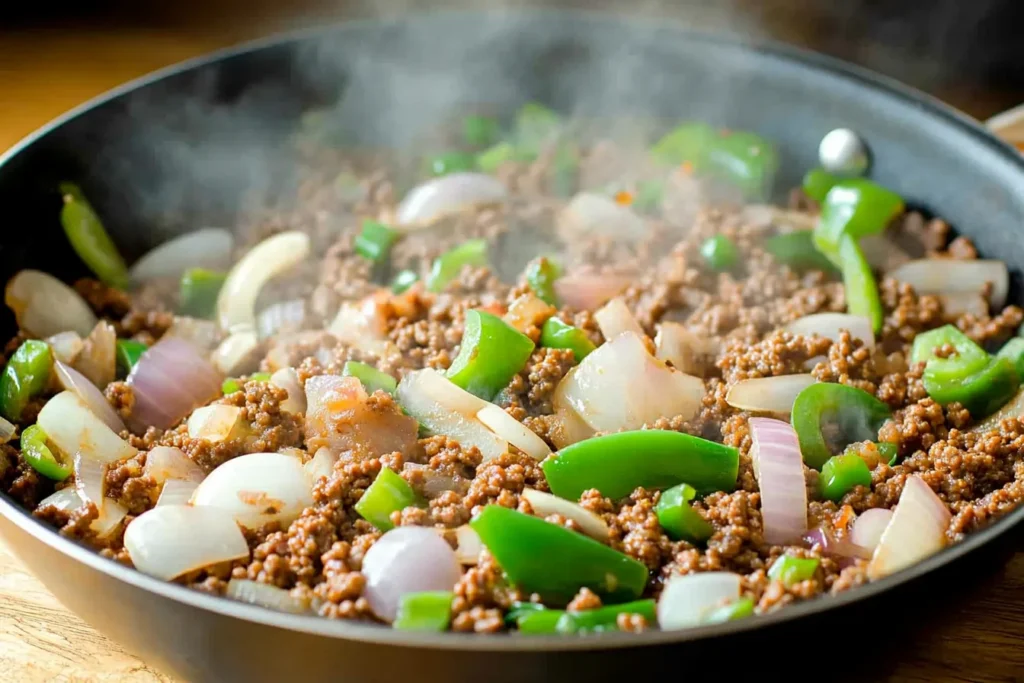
1009,125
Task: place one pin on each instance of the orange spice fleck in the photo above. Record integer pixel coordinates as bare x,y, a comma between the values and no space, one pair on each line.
624,198
686,167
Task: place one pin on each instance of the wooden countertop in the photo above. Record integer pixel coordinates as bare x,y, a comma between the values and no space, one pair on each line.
43,74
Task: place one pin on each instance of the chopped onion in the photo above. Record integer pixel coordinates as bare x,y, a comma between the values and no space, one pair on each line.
90,479
528,311
566,427
73,428
284,315
513,431
7,430
45,306
72,380
1012,408
446,195
916,530
112,514
832,546
677,345
234,355
768,394
177,492
621,386
594,215
171,540
431,483
98,359
686,600
341,417
321,464
779,469
236,303
169,381
869,526
65,346
202,334
614,318
964,302
882,253
65,499
829,326
358,327
205,248
469,545
164,463
264,595
954,276
545,504
288,379
588,291
215,423
407,559
258,488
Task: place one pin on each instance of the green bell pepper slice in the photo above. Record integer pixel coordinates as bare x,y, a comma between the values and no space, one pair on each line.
233,384
982,393
862,297
521,609
388,493
854,207
796,250
720,253
26,375
89,238
604,618
817,183
649,195
1013,351
541,274
858,414
424,611
544,558
968,359
40,457
790,570
890,452
374,241
491,354
491,159
448,265
128,353
371,378
616,464
451,162
543,621
841,473
535,126
678,519
555,334
741,158
197,293
686,143
737,609
403,280
480,131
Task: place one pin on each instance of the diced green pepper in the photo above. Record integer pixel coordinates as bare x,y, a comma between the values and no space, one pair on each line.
649,195
491,159
40,457
859,416
128,353
862,297
854,207
678,519
233,384
540,621
452,162
615,464
796,250
544,558
841,473
719,252
197,296
374,241
425,611
449,265
817,182
981,393
968,358
491,354
741,158
555,334
1013,351
541,274
372,378
604,618
790,570
388,493
480,131
403,281
89,238
26,375
737,609
686,143
889,452
535,126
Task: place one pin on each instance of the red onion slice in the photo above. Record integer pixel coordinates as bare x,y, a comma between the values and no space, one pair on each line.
446,195
205,248
264,595
834,547
545,504
869,526
954,276
169,381
614,318
768,394
72,380
916,530
45,306
171,540
779,468
164,463
407,559
686,600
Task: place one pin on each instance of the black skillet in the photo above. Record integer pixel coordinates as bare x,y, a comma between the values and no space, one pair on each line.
178,148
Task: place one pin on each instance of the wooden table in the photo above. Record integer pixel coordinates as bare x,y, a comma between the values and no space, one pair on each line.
980,639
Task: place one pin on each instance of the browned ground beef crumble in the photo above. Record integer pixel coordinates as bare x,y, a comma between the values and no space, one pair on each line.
317,557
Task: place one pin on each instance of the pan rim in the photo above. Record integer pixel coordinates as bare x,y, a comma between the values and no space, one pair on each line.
376,634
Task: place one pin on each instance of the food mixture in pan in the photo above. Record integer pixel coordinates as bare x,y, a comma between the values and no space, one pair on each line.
541,382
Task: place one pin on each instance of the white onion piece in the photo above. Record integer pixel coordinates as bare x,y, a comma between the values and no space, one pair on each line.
235,354
588,291
215,423
545,504
407,559
321,464
284,315
882,253
98,359
357,326
829,326
869,526
90,479
205,248
446,195
594,215
768,394
236,303
73,428
677,345
288,379
513,431
786,220
1012,408
65,346
954,276
202,334
916,530
621,386
72,380
164,463
111,515
258,488
567,427
527,311
685,601
171,540
65,499
264,595
45,306
169,381
964,302
779,469
469,545
7,430
614,318
177,492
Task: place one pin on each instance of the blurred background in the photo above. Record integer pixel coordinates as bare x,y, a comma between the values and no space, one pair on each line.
56,53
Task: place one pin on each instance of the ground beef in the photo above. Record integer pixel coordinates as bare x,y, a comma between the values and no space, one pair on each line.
127,484
533,388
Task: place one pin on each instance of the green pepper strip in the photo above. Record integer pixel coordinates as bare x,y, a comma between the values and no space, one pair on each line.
521,609
388,493
40,457
425,611
448,265
89,238
540,557
480,131
968,359
604,618
854,207
26,375
817,182
856,411
1013,351
451,162
491,159
541,275
797,250
198,292
981,393
540,621
233,384
535,126
790,570
678,519
403,280
890,452
491,354
615,464
862,297
375,240
128,353
738,609
372,378
555,334
841,473
719,252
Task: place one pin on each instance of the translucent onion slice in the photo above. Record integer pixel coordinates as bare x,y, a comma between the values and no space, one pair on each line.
177,492
282,316
829,545
953,276
1012,408
65,499
469,545
7,430
595,215
45,306
779,469
768,394
882,253
65,346
588,291
111,515
73,428
288,379
974,303
98,359
236,303
869,526
215,423
446,195
916,530
545,504
205,248
358,327
614,318
258,488
321,464
234,355
686,600
74,381
264,595
677,345
90,479
171,540
829,326
164,463
202,334
513,431
170,380
567,427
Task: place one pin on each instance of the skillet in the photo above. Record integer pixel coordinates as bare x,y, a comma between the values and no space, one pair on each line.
183,145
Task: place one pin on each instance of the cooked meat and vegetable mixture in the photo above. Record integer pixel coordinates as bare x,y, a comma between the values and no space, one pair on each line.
563,385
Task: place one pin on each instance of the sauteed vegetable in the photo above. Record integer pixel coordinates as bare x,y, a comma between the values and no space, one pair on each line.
555,384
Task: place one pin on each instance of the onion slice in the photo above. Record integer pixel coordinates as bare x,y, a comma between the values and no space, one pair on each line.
446,195
1012,408
288,379
829,326
264,595
98,359
916,530
7,430
164,463
588,291
236,303
869,526
954,276
593,215
829,545
45,306
65,346
205,248
513,431
171,540
677,345
258,488
176,492
202,334
321,464
65,499
686,600
74,381
73,428
545,504
469,545
614,318
170,380
779,469
215,423
282,316
768,394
